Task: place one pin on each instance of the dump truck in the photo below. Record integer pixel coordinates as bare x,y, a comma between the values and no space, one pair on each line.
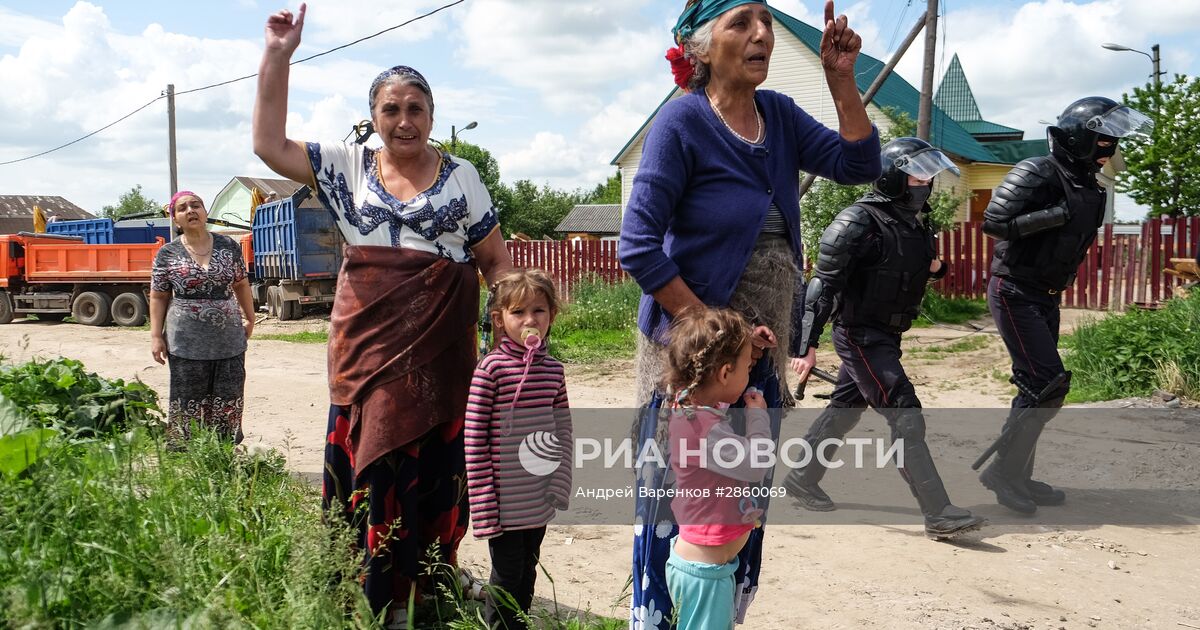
53,276
296,253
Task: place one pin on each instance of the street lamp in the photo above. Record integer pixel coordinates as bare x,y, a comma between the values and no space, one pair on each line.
454,133
1153,58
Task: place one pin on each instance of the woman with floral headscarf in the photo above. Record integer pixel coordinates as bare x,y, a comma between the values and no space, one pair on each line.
714,218
198,296
418,223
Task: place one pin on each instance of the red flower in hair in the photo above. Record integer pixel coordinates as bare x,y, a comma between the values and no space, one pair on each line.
680,66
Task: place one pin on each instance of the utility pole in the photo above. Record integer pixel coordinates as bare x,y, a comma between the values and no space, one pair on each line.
171,138
1157,73
925,112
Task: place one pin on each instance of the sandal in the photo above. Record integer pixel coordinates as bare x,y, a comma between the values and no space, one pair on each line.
472,587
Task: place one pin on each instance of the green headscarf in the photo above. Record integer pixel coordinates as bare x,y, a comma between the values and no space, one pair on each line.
700,12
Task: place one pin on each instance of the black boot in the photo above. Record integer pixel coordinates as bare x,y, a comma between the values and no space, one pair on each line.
802,483
1012,495
1006,476
1041,493
942,519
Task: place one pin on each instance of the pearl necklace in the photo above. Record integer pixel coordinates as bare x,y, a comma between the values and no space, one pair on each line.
758,137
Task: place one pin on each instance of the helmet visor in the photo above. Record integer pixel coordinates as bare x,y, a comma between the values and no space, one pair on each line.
926,164
1120,122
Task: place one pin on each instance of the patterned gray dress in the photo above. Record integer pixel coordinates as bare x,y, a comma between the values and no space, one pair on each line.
206,341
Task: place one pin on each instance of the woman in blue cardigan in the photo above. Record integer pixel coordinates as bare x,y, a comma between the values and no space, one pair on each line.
714,218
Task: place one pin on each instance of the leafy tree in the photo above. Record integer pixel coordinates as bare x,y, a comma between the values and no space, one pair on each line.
1164,171
132,202
481,158
607,193
531,210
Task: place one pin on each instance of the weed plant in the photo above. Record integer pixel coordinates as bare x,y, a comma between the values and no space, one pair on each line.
1134,353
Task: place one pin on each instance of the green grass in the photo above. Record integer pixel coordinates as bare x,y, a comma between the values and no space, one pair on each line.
970,343
305,336
598,324
103,526
120,529
1134,353
936,308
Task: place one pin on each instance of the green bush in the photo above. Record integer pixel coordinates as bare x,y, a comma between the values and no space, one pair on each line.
937,308
60,394
1137,352
120,531
599,305
598,323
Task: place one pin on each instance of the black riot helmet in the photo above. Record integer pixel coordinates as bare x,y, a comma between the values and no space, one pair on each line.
1086,121
909,156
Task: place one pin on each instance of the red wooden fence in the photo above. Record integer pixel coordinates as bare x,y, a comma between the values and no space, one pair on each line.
1119,270
568,262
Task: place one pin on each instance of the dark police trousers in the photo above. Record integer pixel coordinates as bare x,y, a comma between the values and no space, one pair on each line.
514,568
871,374
1028,320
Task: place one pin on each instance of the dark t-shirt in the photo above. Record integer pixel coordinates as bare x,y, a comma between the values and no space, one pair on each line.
204,321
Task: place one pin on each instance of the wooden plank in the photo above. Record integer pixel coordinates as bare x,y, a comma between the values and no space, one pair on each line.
1106,265
1125,296
1093,294
979,285
1155,266
1168,253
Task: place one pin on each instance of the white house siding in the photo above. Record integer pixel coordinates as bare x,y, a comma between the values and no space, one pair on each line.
795,71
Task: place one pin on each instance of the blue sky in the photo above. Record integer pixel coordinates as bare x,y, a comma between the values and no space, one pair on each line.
556,87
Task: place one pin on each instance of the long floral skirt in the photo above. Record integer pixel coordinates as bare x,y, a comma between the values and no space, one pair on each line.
406,504
206,393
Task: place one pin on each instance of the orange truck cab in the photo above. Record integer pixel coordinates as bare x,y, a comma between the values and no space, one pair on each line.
55,277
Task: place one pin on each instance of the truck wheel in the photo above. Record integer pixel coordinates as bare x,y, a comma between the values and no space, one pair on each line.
274,300
92,308
289,309
6,308
129,309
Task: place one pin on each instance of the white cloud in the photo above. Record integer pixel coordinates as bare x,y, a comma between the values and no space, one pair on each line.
1027,64
582,161
337,22
567,52
68,81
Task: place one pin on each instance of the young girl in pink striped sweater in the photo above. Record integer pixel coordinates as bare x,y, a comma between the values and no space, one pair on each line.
518,440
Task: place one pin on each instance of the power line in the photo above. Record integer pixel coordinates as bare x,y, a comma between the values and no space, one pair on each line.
223,83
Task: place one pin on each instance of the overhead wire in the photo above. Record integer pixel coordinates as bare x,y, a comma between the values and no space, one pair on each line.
230,81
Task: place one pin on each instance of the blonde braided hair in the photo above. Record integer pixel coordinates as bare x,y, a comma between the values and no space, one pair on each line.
702,340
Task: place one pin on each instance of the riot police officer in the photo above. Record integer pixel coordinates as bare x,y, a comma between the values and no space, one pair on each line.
1044,216
875,260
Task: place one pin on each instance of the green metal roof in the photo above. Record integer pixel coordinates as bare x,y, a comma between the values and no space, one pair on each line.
985,128
954,95
896,93
1013,151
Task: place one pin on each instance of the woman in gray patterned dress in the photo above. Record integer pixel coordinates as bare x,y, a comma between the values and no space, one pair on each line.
198,295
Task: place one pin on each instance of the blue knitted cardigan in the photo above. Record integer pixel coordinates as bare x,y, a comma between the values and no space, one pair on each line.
700,194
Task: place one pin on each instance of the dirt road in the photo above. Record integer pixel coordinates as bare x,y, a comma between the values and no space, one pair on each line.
1018,573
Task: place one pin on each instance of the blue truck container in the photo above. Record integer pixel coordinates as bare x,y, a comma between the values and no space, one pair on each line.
297,254
142,230
294,243
93,231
